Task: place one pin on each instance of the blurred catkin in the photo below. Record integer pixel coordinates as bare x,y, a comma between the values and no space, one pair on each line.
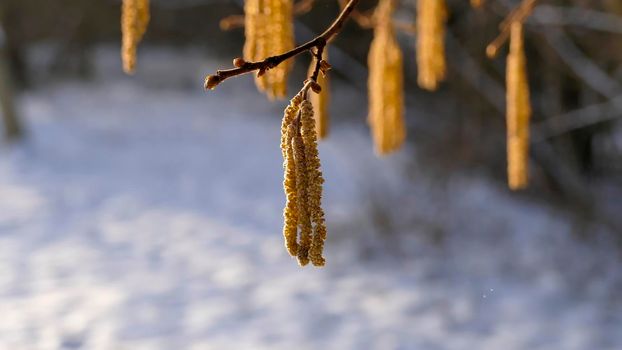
134,20
321,100
304,228
431,17
269,31
385,84
518,111
477,3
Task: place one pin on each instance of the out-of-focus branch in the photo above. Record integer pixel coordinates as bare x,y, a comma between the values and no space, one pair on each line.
577,119
237,21
518,14
581,65
472,72
232,22
580,17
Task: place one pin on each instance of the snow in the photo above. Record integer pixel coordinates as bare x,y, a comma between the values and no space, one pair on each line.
140,217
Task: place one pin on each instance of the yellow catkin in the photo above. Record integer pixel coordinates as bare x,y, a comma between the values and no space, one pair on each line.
431,17
518,111
290,228
302,183
315,181
321,101
269,31
291,112
385,84
290,213
134,20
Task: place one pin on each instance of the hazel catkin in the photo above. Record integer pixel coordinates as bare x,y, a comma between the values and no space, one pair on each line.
385,84
134,21
315,181
518,111
431,17
302,183
269,31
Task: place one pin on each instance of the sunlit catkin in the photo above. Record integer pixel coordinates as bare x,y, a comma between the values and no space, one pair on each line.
304,228
386,100
302,184
290,227
518,111
315,181
431,17
321,101
269,32
290,213
134,20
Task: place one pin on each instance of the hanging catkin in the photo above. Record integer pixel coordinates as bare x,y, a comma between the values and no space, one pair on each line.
321,100
290,213
518,111
315,181
431,16
304,228
386,105
134,20
269,31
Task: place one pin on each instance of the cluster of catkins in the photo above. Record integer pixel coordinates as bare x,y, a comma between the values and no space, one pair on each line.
134,20
269,31
304,229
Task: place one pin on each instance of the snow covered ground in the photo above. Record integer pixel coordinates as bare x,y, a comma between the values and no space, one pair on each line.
139,217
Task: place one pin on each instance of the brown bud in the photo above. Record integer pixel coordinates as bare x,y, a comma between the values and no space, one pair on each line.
261,72
211,82
316,87
239,62
325,66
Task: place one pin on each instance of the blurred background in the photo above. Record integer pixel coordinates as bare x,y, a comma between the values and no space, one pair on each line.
144,213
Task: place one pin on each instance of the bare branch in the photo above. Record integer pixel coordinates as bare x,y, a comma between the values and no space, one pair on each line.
212,81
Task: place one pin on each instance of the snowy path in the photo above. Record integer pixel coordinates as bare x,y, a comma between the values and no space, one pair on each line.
153,222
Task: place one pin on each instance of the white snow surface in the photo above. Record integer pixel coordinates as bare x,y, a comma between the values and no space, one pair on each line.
139,218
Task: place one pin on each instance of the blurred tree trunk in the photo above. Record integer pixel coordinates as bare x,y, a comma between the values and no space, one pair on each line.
12,126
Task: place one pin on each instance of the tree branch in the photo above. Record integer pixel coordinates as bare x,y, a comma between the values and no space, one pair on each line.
261,67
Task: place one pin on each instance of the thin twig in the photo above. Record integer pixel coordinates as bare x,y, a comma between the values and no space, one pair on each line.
232,22
363,19
519,14
261,67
